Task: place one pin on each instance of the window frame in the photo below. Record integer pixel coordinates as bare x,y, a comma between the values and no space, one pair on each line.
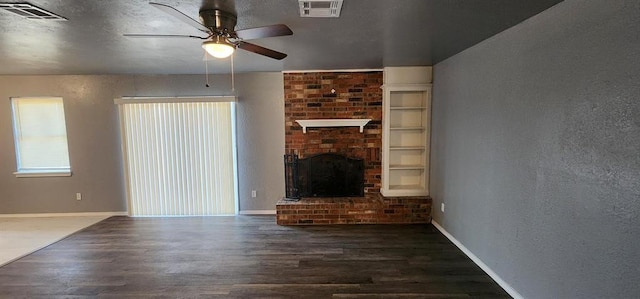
36,171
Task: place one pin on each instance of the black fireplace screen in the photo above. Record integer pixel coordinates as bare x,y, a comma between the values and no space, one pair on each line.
323,175
291,177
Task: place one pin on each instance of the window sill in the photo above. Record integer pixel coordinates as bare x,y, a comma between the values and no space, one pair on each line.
35,174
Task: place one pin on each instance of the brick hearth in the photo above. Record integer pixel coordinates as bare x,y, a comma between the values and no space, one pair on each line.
371,209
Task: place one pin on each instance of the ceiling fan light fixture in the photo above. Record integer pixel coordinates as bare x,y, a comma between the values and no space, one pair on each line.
219,47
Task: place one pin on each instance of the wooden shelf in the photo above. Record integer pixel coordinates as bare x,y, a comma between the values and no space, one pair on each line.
323,123
405,187
407,128
406,148
406,167
408,108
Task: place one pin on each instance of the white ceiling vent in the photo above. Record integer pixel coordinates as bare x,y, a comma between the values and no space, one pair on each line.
320,8
30,11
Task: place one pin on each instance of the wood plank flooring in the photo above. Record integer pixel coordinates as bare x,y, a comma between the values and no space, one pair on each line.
246,257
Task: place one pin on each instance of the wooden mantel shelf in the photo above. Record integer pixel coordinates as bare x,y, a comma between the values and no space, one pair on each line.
317,123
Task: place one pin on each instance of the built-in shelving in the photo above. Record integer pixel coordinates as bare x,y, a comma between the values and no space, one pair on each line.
405,137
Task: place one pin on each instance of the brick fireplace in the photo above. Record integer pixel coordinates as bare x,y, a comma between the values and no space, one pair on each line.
342,95
336,95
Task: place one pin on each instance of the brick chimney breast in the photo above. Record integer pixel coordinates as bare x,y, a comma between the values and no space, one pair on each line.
326,95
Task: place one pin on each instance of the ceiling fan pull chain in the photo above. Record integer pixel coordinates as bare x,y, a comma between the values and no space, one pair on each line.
206,69
233,82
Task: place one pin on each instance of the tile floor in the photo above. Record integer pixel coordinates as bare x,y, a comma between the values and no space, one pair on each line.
20,236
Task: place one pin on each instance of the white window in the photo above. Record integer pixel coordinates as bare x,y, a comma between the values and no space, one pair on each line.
40,137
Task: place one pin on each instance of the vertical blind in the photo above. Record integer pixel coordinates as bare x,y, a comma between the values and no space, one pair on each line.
40,134
179,158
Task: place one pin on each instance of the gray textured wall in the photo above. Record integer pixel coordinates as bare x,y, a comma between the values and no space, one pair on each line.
94,138
260,120
536,151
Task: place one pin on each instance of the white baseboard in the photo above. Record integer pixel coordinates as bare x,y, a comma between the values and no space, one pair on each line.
258,212
84,214
479,262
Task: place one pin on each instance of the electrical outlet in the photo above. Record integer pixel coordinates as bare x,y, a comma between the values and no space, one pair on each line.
253,193
442,207
78,196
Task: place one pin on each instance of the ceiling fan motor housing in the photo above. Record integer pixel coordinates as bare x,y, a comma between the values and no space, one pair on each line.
222,38
218,21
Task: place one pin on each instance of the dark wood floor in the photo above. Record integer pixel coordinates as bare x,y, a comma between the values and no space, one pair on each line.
247,257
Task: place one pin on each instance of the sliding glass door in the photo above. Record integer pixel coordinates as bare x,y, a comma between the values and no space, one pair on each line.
179,156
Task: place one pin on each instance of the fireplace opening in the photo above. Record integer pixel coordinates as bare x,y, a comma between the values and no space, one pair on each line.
324,175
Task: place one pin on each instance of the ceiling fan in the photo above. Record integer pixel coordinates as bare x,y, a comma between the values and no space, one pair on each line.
221,38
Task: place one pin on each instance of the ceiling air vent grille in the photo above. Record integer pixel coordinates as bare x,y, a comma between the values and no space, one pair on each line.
320,8
30,11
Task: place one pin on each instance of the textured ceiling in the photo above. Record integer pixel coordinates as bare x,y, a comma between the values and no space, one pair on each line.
369,34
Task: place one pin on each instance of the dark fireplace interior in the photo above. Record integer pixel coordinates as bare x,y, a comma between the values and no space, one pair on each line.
324,175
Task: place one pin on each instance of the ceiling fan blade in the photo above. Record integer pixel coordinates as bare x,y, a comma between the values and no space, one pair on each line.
262,32
261,50
163,36
178,14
